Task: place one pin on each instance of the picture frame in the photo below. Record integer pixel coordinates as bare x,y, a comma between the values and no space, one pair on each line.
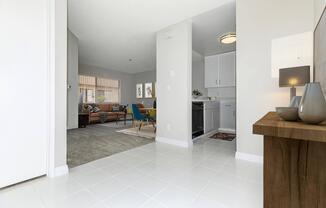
139,90
149,90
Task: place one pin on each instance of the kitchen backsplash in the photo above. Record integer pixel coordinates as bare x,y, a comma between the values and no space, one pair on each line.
222,92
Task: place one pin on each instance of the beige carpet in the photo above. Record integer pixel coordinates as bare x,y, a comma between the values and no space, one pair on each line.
145,132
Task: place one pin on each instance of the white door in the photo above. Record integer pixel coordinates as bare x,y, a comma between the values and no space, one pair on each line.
226,69
23,84
211,71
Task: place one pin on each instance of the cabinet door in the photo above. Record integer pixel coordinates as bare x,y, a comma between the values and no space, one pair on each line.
208,120
211,71
216,115
226,69
211,117
228,115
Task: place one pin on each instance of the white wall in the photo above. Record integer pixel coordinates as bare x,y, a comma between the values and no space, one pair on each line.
58,87
73,92
174,71
128,90
319,8
143,77
258,23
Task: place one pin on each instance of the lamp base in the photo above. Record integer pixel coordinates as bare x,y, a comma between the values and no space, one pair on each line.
293,92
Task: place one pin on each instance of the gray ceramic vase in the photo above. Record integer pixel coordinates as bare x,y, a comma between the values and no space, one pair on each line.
295,101
312,108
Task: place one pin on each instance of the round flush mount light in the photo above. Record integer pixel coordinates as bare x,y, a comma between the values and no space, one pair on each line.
228,38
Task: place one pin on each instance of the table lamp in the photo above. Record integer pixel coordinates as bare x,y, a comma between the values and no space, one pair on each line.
294,76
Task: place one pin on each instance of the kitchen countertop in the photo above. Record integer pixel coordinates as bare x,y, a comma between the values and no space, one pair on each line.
216,100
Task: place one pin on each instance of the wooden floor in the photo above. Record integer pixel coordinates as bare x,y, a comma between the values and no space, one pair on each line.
98,141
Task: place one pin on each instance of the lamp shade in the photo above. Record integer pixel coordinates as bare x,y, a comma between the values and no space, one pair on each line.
295,76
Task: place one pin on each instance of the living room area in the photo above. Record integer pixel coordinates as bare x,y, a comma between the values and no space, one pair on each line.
109,111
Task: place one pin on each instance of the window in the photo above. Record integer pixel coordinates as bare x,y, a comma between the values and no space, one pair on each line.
97,89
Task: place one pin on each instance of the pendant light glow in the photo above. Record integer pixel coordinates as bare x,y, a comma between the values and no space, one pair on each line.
228,38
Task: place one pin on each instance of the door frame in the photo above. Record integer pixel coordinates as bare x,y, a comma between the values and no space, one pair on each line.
56,21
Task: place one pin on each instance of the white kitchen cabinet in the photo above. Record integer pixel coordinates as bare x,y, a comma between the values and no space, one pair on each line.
226,70
220,70
211,71
211,116
227,115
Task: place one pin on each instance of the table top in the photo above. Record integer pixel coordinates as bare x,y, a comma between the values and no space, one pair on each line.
148,109
272,125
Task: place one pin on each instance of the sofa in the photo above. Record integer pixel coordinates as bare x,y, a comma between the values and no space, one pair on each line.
113,111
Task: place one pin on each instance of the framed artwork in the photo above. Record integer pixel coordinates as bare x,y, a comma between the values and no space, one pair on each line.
139,90
148,90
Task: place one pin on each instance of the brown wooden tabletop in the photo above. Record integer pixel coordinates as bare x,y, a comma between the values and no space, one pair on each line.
272,125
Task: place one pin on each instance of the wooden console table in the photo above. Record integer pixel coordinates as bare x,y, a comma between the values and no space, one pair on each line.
294,163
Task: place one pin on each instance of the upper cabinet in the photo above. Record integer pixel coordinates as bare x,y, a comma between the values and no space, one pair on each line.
226,70
220,70
211,71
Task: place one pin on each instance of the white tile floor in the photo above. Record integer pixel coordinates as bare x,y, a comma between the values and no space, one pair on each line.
151,176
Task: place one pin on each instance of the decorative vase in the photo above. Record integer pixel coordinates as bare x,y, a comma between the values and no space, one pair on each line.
295,101
312,108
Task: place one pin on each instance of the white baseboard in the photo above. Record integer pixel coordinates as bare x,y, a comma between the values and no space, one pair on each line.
249,157
173,142
60,171
225,130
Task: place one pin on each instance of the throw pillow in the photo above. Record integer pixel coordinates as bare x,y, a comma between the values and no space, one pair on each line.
115,108
90,108
96,109
122,108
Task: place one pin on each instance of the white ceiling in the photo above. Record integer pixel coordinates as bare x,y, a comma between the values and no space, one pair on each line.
112,32
208,27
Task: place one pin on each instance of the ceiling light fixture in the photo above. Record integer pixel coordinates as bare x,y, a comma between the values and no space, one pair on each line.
228,38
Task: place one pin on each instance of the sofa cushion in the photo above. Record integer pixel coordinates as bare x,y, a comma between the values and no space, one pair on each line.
112,113
106,107
94,115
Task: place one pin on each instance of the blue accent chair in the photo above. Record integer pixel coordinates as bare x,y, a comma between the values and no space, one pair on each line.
138,116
